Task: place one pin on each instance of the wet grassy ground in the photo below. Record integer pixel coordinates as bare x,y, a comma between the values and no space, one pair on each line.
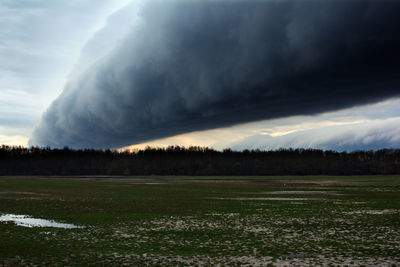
227,221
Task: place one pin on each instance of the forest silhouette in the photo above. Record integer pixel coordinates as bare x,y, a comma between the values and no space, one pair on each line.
194,160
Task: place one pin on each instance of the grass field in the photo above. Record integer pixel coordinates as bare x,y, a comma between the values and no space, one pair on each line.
228,221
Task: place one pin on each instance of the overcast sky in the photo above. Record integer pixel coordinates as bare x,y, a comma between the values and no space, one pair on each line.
40,41
240,74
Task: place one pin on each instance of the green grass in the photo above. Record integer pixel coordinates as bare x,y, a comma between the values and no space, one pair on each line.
346,220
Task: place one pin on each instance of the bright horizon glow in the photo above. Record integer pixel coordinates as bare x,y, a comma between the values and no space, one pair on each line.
225,137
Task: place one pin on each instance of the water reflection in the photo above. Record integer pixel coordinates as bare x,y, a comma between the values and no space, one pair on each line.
27,221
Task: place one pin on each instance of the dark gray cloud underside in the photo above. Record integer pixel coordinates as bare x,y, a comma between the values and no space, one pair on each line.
194,65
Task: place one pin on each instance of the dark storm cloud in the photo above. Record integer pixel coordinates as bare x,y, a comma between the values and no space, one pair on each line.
193,65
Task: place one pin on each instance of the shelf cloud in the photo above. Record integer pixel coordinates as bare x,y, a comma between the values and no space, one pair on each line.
184,66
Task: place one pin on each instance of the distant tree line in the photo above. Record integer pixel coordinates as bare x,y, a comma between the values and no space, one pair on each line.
194,160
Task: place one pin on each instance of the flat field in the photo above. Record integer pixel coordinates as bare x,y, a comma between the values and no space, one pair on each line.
226,221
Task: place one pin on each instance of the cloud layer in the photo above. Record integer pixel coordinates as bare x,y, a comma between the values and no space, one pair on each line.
39,43
193,65
372,135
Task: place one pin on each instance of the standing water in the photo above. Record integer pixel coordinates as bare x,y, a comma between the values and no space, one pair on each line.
27,221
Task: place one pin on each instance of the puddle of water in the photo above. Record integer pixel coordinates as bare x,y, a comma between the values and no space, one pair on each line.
334,193
372,212
151,183
27,221
272,198
297,203
19,193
